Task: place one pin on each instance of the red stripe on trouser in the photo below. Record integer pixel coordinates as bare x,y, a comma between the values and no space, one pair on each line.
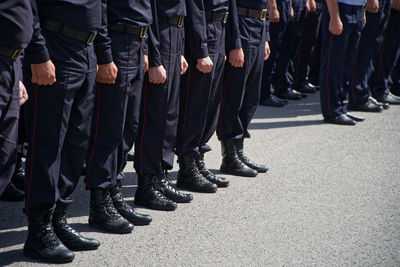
95,135
144,124
28,193
223,100
381,54
327,76
186,109
352,77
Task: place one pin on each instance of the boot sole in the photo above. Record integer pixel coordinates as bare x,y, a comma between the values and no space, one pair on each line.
72,248
126,230
146,205
34,255
198,190
238,173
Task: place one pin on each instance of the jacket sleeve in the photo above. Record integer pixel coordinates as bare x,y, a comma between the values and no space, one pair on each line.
102,42
154,39
37,50
197,27
232,28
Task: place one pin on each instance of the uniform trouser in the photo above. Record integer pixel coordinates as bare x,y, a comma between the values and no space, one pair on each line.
282,79
368,53
241,95
59,124
306,46
276,33
201,96
117,108
9,113
395,76
338,52
315,64
156,139
389,55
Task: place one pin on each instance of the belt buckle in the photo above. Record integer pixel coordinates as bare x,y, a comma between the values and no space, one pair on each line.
16,53
91,38
263,14
226,17
180,22
143,32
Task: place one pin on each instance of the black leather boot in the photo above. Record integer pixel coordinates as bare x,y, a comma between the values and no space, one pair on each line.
231,163
103,214
170,192
125,209
239,148
11,193
148,194
201,166
190,178
43,244
18,178
68,236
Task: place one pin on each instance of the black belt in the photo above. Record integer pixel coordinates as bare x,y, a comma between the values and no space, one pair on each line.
174,21
55,26
252,13
9,52
141,31
219,17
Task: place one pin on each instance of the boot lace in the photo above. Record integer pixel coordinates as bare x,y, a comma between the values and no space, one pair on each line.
49,237
110,209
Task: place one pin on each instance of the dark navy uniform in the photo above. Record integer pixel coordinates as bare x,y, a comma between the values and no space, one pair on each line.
117,106
308,48
284,77
60,114
241,88
338,52
156,139
276,31
16,30
388,57
368,53
201,92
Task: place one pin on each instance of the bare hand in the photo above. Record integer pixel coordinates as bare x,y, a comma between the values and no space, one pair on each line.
291,13
336,26
146,63
274,15
157,75
43,73
372,6
184,65
23,95
107,73
204,65
365,20
267,51
236,57
396,5
313,6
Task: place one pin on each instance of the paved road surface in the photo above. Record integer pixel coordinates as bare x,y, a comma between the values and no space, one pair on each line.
331,198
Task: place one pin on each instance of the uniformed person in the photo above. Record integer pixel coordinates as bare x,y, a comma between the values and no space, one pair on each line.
60,72
308,51
201,92
155,143
280,13
247,46
117,108
377,13
285,74
389,56
16,31
342,22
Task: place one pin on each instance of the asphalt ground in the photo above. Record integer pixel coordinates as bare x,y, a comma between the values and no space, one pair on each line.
330,198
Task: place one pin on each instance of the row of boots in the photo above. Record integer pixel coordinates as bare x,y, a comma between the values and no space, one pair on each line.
52,239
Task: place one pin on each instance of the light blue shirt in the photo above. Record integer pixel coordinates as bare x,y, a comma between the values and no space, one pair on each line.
353,2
